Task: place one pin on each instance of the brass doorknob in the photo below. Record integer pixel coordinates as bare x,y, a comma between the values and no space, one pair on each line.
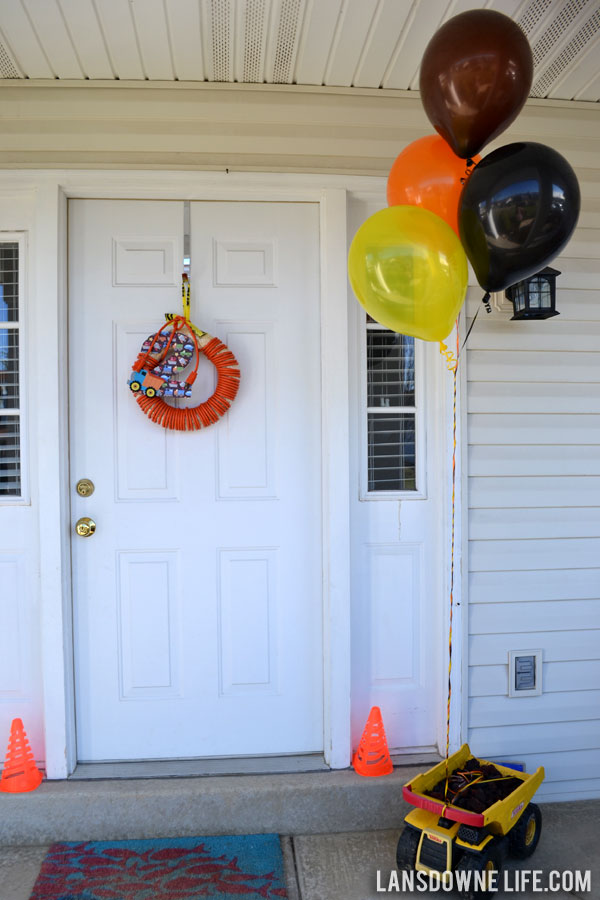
85,527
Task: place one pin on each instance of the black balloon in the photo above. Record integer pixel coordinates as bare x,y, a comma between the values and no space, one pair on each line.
517,211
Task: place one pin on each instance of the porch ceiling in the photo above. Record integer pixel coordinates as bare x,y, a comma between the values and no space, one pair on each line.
346,43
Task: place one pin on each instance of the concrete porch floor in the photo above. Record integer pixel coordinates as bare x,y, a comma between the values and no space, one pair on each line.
337,829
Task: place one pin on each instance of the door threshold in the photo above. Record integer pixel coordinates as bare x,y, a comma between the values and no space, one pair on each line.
192,768
427,757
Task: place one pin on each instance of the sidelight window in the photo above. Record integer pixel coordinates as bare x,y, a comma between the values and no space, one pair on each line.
391,412
10,381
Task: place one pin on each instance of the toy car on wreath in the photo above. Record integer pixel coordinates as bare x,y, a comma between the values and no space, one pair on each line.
145,382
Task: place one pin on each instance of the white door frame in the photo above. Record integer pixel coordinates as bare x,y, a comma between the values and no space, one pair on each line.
50,393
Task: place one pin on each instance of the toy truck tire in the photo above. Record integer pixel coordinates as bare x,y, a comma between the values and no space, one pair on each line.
135,386
406,851
524,837
487,860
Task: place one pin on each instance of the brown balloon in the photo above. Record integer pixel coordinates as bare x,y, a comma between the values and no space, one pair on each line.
476,74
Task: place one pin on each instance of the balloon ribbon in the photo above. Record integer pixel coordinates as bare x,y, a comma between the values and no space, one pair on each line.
452,364
452,360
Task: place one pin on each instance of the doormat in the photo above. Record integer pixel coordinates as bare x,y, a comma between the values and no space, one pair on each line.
223,868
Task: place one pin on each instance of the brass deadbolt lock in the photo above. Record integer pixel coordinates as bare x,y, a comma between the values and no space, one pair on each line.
85,487
85,527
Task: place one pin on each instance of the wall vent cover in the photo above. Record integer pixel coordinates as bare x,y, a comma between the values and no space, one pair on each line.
524,673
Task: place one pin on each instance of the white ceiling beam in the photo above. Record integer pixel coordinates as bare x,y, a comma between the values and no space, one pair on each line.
423,21
349,41
320,24
86,34
185,28
23,41
153,39
117,26
49,24
381,42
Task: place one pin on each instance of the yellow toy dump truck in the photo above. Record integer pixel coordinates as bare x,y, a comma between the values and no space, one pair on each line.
445,839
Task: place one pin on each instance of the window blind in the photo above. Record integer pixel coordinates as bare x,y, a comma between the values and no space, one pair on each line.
391,410
10,412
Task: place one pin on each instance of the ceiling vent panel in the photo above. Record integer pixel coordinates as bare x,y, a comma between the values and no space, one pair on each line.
8,68
576,46
556,30
533,15
254,30
316,42
221,39
287,41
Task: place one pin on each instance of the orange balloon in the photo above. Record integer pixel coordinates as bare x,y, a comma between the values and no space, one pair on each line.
429,174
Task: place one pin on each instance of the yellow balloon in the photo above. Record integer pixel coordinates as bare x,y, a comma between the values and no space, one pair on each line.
408,269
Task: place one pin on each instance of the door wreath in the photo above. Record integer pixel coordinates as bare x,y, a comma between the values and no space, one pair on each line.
164,355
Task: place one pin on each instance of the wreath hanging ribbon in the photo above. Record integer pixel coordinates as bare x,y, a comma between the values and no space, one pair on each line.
164,355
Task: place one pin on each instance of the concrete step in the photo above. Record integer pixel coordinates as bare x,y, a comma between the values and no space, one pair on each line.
117,809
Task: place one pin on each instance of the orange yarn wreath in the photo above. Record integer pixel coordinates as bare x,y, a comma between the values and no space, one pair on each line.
194,417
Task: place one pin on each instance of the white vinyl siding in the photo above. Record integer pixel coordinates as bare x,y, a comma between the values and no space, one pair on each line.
534,520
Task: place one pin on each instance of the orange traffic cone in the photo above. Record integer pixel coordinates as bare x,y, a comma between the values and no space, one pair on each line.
20,772
372,756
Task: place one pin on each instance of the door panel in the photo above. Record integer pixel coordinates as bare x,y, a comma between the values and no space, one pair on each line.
197,602
399,531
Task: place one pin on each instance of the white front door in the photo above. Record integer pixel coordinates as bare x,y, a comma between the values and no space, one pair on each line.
198,600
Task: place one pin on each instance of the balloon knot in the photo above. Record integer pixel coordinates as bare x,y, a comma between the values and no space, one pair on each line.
486,302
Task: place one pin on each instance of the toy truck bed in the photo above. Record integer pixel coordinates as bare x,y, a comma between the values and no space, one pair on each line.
498,818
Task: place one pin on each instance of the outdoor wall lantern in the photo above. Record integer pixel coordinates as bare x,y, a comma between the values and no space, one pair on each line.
535,297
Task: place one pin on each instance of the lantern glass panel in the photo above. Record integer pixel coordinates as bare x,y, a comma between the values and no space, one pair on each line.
520,296
534,293
545,294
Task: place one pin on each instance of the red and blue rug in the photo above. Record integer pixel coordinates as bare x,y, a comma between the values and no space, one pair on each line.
223,868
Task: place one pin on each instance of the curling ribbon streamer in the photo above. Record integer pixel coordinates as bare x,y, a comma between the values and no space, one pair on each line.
452,365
